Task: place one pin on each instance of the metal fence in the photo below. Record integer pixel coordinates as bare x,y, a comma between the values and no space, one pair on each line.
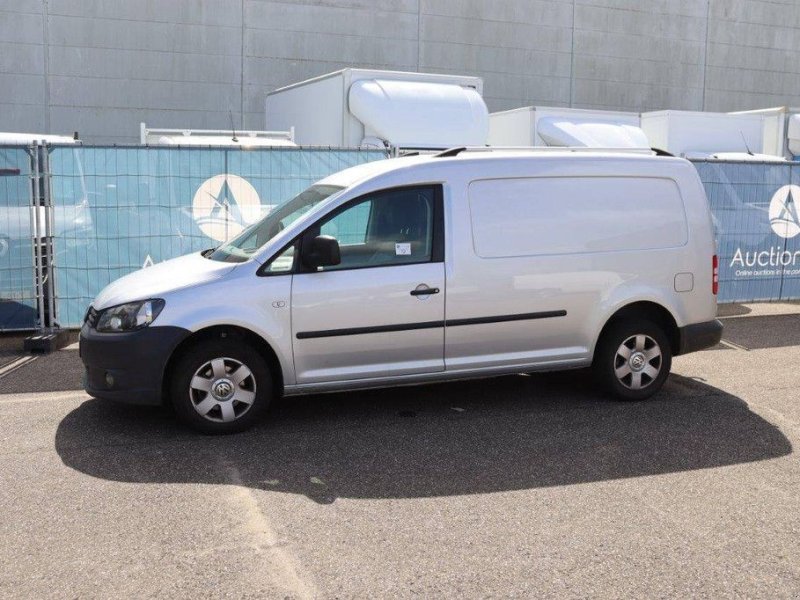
75,218
755,210
18,281
118,209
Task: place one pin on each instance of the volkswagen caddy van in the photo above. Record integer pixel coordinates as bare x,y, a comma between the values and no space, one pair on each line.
419,269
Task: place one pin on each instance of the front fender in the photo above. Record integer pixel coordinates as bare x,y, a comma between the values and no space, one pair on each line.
258,304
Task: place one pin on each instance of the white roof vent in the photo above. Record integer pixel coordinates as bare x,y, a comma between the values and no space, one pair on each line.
558,131
416,114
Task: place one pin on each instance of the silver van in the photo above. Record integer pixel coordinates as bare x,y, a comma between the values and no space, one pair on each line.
417,269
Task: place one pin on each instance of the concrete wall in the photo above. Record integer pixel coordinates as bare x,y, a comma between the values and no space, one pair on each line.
102,66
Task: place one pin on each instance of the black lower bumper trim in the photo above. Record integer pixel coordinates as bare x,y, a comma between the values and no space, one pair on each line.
699,336
128,367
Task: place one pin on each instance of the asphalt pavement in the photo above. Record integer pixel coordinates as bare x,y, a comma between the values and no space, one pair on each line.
530,485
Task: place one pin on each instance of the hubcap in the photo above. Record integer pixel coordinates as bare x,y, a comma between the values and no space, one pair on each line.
637,362
222,390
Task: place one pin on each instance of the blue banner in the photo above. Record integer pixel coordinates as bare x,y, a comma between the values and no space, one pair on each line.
755,212
119,209
18,301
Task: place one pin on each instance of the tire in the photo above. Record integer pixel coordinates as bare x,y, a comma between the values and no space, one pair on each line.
648,362
212,395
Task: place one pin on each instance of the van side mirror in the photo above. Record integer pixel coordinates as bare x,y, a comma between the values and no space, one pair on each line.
320,251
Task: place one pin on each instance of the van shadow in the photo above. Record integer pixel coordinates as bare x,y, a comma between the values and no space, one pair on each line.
508,433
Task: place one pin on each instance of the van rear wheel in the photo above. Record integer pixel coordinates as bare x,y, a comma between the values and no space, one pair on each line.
220,386
633,359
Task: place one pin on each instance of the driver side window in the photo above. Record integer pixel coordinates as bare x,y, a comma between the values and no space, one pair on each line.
392,227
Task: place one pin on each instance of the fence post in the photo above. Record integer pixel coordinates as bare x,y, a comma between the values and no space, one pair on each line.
49,225
36,232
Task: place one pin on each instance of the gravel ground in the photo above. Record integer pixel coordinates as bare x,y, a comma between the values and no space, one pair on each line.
513,486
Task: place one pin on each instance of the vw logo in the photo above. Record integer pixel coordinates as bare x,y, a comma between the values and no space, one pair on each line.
223,388
637,362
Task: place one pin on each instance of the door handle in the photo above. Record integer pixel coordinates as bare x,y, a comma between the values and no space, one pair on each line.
424,291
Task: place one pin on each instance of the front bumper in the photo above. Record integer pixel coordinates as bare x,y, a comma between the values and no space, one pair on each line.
128,367
699,336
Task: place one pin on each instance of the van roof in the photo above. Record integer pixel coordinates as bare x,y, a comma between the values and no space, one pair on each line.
353,175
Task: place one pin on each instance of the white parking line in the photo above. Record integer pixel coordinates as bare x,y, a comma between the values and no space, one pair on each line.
733,345
76,395
288,572
16,364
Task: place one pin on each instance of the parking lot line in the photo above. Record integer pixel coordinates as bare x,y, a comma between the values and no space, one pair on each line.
77,395
734,346
16,364
288,576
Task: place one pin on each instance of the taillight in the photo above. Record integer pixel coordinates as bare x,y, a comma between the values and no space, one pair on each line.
714,275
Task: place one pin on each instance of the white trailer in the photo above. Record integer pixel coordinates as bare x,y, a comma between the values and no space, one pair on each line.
695,134
566,127
781,130
385,109
215,137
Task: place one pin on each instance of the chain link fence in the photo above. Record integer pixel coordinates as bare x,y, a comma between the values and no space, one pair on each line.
755,210
75,218
119,209
18,278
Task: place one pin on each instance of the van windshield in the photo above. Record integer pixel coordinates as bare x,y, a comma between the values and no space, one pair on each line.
247,243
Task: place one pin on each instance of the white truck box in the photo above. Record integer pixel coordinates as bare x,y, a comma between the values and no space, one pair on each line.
781,129
361,107
566,127
695,134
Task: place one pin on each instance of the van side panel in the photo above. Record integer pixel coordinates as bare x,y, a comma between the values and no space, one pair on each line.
540,216
589,237
506,314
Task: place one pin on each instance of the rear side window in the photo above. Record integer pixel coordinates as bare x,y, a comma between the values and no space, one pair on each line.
570,215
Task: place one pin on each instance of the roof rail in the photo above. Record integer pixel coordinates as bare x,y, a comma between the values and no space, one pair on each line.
458,150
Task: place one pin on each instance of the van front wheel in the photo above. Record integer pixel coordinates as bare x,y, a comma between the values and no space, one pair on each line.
220,386
633,359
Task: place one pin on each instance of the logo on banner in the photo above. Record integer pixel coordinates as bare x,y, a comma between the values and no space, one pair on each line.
777,260
783,211
224,205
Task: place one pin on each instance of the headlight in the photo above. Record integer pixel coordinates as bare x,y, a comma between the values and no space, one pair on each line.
127,317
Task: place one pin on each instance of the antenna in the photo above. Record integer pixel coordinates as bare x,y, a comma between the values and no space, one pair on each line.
234,139
745,143
450,152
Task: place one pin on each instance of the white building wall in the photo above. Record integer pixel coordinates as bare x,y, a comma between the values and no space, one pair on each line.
103,66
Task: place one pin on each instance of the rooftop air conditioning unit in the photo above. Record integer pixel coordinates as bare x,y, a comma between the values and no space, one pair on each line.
382,109
566,127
